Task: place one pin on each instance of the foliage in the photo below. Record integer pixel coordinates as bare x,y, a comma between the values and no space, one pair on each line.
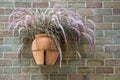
59,22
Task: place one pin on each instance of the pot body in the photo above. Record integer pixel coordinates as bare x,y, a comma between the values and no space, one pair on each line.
44,50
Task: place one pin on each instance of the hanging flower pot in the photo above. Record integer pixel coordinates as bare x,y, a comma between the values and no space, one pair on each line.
59,22
44,50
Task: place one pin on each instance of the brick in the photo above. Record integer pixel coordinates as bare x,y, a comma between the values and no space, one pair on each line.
96,77
112,33
3,18
59,0
63,3
112,62
39,77
110,19
112,5
67,70
20,62
76,4
76,77
89,55
24,0
95,19
49,69
117,77
102,55
116,11
21,77
116,55
66,47
109,77
40,4
69,54
11,41
86,70
2,11
30,70
1,41
98,48
7,4
10,55
99,33
103,11
112,77
112,48
91,0
5,77
8,11
1,54
85,11
8,0
104,70
2,26
116,39
58,77
76,62
94,4
5,62
103,26
75,0
1,48
95,62
12,70
117,70
5,48
23,4
1,69
116,26
103,40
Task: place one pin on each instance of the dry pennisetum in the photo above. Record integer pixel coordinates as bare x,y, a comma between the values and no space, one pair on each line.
58,22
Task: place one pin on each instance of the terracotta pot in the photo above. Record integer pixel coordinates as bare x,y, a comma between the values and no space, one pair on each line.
44,50
51,57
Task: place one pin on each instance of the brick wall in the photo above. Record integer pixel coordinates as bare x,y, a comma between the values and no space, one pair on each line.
103,64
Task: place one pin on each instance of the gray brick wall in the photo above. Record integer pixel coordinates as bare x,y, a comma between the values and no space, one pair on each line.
102,64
